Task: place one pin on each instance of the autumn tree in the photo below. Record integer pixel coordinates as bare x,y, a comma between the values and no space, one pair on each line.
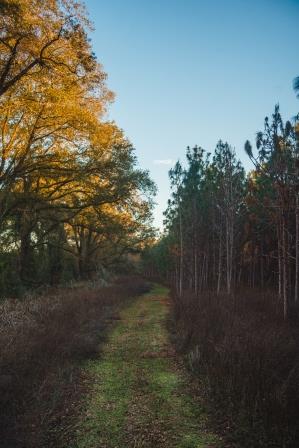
40,38
62,166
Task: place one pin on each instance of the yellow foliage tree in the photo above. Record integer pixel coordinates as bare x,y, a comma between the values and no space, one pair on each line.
63,168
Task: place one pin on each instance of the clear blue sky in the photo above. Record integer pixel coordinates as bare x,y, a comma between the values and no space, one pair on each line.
189,72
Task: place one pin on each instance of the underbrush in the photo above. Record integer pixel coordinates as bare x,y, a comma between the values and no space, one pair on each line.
248,360
42,342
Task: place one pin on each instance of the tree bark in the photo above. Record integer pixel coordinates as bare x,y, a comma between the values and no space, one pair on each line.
284,269
279,256
181,256
219,263
297,251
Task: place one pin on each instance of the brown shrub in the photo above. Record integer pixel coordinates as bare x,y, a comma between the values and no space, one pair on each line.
42,341
248,359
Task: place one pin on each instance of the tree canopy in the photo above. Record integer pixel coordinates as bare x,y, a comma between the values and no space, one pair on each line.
70,188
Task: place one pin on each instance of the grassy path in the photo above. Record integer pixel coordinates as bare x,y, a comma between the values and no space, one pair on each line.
139,395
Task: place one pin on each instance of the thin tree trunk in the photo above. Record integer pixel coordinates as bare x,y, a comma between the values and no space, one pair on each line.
227,257
181,256
195,273
229,249
219,263
279,255
262,265
284,269
297,250
177,278
202,276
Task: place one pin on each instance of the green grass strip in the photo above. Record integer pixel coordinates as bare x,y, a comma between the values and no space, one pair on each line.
139,396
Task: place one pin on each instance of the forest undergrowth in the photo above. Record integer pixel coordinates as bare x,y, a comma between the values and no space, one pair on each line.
43,342
248,361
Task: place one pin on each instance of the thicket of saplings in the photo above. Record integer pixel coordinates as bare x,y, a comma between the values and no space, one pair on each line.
43,341
247,360
231,254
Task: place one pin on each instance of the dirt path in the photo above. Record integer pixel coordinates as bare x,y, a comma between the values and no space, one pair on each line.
139,395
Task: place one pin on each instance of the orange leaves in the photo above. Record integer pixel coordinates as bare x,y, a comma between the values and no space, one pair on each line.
56,150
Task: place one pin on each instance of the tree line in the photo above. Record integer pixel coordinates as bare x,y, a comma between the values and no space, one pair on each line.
225,229
72,198
230,252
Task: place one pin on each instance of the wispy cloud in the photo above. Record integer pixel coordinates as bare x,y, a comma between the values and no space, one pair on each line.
163,162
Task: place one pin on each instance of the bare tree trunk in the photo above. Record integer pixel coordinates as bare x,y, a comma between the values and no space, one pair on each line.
219,263
214,275
297,250
229,253
195,273
279,255
227,256
206,270
25,251
262,264
177,281
181,256
202,276
284,269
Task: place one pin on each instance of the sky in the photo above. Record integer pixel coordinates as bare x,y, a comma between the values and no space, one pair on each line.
189,72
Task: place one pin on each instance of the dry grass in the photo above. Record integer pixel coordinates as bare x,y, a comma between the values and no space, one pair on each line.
42,342
248,359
